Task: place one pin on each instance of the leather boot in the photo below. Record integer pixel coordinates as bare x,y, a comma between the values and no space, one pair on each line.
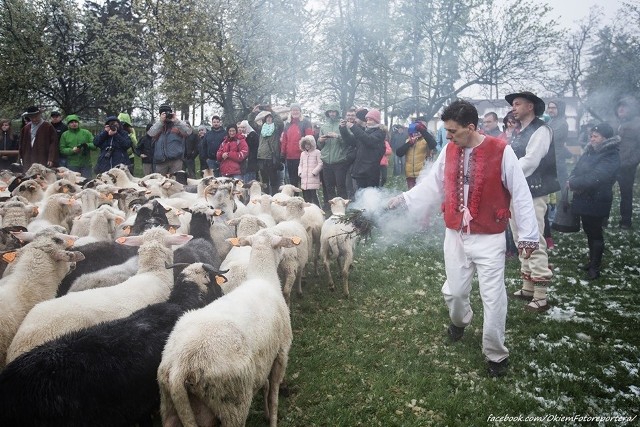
586,266
597,249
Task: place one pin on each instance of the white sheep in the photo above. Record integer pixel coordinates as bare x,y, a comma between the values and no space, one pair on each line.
57,209
109,276
61,186
337,241
102,225
77,310
313,219
30,189
17,213
286,192
218,357
38,270
238,258
294,260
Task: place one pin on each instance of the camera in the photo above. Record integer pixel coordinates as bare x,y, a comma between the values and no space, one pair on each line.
84,148
108,152
113,127
168,115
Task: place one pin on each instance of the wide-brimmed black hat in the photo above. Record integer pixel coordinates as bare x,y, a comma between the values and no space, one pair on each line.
31,111
538,104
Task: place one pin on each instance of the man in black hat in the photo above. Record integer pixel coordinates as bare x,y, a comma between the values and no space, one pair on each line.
169,134
534,148
39,140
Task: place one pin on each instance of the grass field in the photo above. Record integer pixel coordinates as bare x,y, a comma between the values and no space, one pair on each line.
381,358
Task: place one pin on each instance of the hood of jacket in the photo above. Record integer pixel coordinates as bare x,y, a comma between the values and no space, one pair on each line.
332,107
561,106
310,139
614,141
632,104
125,118
72,118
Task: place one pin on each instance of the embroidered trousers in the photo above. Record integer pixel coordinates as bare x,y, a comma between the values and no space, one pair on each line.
536,268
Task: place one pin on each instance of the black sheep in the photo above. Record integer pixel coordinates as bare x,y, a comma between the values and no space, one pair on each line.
201,247
106,254
104,375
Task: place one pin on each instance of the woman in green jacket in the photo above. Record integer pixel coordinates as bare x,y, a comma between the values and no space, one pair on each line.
76,144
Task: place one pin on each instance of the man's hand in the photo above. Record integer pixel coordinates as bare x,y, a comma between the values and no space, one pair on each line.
527,252
396,202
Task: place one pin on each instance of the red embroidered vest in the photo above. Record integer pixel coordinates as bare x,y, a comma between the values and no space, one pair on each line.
488,200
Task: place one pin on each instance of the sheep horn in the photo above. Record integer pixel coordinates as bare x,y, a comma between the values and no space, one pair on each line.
178,264
211,269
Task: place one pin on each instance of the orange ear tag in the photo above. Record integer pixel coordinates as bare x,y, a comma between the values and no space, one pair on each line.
217,212
70,242
9,257
109,196
296,240
220,280
121,240
234,241
172,230
119,220
65,190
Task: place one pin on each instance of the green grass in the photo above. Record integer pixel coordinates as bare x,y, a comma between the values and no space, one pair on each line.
381,358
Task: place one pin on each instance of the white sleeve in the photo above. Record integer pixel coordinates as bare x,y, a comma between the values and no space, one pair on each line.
428,194
521,200
537,148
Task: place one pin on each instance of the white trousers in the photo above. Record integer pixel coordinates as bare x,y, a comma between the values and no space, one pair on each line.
536,267
464,254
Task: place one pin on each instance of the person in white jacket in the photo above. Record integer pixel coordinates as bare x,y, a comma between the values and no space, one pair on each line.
474,181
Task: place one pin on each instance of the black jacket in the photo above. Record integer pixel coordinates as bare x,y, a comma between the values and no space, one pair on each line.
370,148
593,177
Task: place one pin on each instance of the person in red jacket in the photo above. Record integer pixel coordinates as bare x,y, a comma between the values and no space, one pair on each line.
233,153
294,129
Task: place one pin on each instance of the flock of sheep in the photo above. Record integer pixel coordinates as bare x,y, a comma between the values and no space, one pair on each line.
122,296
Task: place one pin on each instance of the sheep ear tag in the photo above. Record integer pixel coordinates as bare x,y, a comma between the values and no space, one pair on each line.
234,241
65,190
9,257
217,212
220,280
121,240
109,196
126,230
296,240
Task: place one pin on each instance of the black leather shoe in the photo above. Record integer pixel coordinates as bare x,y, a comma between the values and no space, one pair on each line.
455,333
498,369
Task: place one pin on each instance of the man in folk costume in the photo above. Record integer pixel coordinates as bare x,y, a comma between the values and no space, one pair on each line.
474,181
39,142
535,150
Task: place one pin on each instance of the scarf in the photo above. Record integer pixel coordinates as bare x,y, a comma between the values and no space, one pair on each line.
268,129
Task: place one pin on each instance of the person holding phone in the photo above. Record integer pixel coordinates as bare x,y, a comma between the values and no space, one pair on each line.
333,151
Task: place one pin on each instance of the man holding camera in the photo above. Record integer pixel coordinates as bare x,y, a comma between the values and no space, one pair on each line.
75,145
113,143
169,135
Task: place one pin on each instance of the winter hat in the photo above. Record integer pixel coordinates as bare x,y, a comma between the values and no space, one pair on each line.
232,127
412,128
373,115
204,128
125,118
111,119
603,129
165,108
332,107
362,114
295,105
55,114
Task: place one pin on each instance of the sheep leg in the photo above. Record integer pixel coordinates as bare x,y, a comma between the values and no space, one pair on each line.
327,268
276,377
265,395
235,415
346,265
299,280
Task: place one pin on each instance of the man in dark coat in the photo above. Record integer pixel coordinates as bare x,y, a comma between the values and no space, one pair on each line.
39,141
560,127
628,113
370,148
113,143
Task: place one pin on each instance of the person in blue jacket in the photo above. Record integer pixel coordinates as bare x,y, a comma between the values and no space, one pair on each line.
592,182
113,143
